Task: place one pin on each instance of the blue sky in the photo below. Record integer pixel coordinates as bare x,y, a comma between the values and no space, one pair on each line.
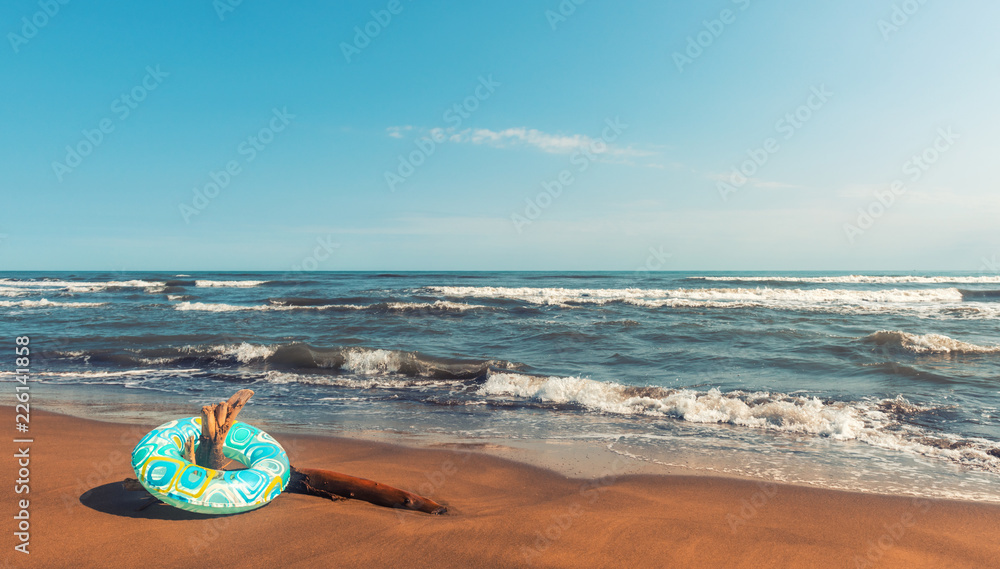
319,128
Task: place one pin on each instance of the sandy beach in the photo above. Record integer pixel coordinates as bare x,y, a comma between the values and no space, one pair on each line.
502,514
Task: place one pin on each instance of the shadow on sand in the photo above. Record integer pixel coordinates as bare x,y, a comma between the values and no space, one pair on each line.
113,499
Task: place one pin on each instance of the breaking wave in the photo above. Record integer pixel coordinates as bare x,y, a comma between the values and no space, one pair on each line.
947,301
43,303
877,423
297,356
229,284
926,343
43,286
663,297
440,305
981,295
14,287
855,279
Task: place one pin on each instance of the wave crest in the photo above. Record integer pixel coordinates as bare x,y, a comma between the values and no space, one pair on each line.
43,303
881,424
856,279
757,410
355,360
831,300
304,304
926,343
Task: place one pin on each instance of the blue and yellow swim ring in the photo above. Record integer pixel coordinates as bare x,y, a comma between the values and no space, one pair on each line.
162,470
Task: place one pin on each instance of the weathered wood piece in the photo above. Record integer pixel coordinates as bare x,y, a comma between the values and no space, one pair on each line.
333,485
215,423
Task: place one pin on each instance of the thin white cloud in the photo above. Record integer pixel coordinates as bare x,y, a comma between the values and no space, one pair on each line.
551,143
397,131
534,138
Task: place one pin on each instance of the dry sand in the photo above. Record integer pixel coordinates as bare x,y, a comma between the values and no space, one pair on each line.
503,514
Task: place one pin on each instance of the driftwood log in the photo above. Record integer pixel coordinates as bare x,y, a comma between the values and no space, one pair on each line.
334,485
216,421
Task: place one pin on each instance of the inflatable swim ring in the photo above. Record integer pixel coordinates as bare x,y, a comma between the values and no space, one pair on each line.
162,470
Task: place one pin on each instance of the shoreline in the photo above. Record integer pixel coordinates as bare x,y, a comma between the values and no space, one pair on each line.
570,457
502,513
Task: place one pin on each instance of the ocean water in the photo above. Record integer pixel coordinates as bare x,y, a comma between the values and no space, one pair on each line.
874,382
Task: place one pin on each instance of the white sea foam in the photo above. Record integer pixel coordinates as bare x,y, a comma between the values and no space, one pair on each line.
43,303
371,362
927,343
865,421
246,353
928,301
436,305
859,279
76,286
664,297
395,306
354,382
229,284
757,410
105,374
215,307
